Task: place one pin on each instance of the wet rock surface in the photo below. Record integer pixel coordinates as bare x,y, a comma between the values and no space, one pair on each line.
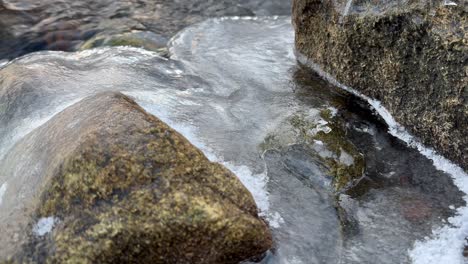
409,55
104,182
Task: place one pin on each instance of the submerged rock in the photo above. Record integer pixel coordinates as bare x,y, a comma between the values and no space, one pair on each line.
104,181
138,39
410,55
324,134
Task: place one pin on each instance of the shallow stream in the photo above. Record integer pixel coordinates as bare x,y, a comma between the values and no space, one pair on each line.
234,88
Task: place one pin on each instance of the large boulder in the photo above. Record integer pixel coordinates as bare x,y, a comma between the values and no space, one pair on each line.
411,55
105,182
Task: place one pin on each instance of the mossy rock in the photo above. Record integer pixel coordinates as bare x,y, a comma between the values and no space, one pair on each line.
138,39
345,163
124,187
410,55
345,174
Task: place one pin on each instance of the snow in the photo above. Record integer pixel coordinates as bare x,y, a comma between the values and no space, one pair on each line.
44,226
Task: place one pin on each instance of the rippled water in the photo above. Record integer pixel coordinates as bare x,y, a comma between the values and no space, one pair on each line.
230,85
29,25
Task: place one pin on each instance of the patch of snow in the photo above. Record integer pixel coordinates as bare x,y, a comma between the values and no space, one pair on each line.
275,220
450,3
333,111
44,225
346,159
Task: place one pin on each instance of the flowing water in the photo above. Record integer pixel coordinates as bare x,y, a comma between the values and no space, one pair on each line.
232,86
27,26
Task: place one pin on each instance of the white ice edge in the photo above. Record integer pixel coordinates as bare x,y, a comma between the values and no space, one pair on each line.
44,226
346,10
3,63
446,243
3,191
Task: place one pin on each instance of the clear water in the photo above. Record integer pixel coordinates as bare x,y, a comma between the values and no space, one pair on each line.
229,85
31,25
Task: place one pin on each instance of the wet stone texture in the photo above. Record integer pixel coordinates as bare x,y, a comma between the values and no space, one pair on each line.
105,182
409,55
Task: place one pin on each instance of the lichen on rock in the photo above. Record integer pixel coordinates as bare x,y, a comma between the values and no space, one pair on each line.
411,55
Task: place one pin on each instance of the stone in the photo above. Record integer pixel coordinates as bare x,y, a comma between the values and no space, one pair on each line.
409,55
139,39
327,138
103,181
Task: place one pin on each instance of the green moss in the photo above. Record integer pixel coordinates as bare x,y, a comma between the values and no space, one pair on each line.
131,40
343,175
155,227
326,114
302,126
93,43
336,141
121,41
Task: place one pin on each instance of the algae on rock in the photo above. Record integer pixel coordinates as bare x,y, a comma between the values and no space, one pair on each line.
138,39
124,187
411,55
321,129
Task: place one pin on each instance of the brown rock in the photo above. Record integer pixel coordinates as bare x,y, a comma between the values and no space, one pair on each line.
409,55
121,186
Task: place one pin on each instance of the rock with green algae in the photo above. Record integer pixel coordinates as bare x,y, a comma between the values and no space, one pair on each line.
320,136
325,134
104,181
345,162
139,39
411,55
348,164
